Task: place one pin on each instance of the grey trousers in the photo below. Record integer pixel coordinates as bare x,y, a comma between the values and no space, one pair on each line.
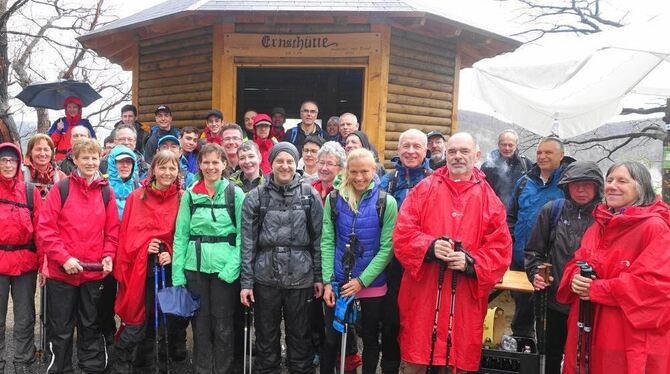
22,289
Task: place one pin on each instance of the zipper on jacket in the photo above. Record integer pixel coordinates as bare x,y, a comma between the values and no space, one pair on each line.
579,213
212,209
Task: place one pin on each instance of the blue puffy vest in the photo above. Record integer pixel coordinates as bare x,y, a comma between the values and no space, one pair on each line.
368,231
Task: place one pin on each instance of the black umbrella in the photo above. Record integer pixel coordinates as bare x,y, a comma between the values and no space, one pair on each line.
52,94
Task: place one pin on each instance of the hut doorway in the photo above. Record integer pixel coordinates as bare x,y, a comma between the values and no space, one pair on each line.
336,90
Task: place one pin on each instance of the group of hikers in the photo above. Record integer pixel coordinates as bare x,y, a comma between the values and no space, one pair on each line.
311,230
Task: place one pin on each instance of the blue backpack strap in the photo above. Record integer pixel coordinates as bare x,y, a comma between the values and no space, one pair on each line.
294,134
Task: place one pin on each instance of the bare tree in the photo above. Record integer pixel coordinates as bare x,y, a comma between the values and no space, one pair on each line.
43,41
588,17
6,120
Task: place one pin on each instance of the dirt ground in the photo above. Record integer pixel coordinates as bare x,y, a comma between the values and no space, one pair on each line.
504,301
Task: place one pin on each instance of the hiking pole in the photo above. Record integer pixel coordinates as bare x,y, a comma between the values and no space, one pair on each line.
43,315
440,280
156,311
161,249
252,330
586,271
541,315
347,262
458,247
246,340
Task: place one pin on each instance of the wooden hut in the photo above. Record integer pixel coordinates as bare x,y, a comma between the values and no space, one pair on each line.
393,63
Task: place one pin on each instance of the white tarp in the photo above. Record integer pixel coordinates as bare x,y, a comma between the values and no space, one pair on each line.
580,82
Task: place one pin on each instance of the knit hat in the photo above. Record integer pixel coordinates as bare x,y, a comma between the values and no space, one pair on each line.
9,152
284,147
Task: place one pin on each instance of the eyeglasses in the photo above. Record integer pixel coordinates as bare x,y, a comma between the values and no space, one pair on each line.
309,111
328,164
7,160
312,151
232,139
126,139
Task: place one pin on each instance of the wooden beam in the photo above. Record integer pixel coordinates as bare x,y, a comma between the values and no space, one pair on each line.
224,87
457,74
135,89
376,90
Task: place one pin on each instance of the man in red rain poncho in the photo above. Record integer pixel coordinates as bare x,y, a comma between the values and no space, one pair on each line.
455,202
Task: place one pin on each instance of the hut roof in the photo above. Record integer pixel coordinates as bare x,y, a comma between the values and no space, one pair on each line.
209,10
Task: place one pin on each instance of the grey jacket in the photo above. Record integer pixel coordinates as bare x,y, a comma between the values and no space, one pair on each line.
557,243
280,252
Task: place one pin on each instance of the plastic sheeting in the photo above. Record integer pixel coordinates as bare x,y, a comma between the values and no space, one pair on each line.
573,86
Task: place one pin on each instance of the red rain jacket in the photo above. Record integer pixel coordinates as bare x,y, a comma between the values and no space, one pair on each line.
18,226
143,220
631,296
466,211
84,228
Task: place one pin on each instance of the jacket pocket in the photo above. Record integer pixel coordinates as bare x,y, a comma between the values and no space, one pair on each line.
300,269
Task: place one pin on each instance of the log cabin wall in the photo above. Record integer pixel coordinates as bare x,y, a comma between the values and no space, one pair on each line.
420,87
176,70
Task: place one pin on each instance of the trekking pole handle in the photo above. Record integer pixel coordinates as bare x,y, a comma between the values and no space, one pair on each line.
162,248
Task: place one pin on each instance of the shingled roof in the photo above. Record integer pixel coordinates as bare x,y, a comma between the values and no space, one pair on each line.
477,39
397,7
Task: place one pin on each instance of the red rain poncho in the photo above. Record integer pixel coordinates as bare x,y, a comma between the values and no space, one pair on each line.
466,211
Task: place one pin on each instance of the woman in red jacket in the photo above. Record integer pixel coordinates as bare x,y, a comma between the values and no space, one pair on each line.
627,247
79,223
61,129
39,167
18,256
148,221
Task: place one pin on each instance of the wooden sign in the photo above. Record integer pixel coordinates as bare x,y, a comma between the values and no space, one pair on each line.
302,45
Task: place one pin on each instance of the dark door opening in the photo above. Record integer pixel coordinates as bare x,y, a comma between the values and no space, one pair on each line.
336,90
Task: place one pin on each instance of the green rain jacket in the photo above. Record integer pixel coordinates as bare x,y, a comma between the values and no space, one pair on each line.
212,221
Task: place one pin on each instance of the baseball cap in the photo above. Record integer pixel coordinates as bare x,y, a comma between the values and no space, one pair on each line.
214,112
434,134
168,138
163,108
279,110
122,156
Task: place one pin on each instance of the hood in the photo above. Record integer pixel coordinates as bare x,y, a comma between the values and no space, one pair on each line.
364,139
582,171
13,146
112,170
72,120
634,214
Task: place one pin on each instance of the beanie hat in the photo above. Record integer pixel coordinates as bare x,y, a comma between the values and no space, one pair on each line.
284,147
9,152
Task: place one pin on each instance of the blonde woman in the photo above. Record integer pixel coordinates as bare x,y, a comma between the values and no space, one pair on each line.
358,222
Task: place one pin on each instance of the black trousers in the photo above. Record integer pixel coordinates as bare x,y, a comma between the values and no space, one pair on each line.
108,297
22,289
136,343
213,324
391,319
523,322
557,333
69,306
372,311
293,305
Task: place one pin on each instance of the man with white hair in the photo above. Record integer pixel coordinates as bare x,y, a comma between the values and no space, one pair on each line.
411,167
504,166
451,230
348,124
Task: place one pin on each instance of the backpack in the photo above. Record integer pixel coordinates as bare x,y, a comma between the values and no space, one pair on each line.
64,190
294,133
28,205
306,200
393,177
380,206
229,205
29,200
